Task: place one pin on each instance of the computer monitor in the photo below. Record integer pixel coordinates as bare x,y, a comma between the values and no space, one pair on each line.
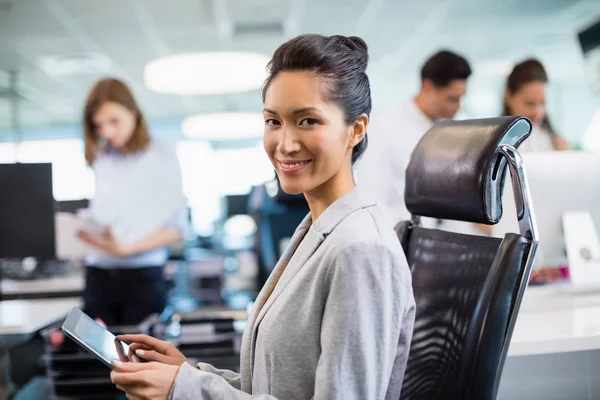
559,182
72,206
26,211
589,40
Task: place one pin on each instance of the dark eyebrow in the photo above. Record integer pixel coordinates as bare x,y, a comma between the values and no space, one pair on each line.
298,111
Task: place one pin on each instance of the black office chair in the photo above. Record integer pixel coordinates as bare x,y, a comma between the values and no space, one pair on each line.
277,215
467,288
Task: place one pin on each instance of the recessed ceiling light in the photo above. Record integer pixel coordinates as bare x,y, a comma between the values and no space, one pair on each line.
206,73
493,68
75,64
224,126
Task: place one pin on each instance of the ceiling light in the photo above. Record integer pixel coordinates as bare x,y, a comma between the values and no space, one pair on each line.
493,68
224,126
206,73
73,64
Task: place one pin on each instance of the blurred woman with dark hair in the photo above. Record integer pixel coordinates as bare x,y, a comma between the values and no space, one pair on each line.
525,95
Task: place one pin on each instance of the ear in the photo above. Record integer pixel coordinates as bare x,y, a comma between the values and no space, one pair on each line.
358,130
427,85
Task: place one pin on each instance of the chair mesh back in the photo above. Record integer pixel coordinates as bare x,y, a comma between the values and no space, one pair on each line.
448,271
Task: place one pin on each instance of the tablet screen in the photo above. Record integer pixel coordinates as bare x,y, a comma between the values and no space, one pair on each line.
99,340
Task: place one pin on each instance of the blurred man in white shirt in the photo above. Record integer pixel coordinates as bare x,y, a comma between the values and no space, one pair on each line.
394,133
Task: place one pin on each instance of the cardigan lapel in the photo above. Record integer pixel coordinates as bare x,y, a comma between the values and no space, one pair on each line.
247,348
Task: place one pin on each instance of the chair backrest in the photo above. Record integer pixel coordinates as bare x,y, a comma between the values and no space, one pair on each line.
467,288
277,215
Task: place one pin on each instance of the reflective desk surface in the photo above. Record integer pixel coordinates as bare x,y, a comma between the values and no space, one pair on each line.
26,317
556,319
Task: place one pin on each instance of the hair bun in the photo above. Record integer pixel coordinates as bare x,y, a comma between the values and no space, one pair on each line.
359,44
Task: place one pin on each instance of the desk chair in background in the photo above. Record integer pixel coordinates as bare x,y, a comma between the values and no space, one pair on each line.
468,289
277,215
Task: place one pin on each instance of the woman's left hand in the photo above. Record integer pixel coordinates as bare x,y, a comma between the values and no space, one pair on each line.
106,242
144,381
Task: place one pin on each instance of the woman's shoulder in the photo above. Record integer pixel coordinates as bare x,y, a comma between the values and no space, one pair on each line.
366,230
365,247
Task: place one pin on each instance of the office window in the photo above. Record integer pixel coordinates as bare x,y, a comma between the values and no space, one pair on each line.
207,174
71,177
8,153
240,169
210,174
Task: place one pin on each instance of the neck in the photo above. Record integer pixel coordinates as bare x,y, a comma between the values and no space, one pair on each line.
320,198
423,105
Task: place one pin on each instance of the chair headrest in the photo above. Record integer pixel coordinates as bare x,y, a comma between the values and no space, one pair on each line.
457,172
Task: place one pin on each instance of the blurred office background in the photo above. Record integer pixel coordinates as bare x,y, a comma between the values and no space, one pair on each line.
52,51
207,101
196,67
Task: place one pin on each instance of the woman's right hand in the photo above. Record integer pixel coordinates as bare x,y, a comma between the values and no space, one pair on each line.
151,349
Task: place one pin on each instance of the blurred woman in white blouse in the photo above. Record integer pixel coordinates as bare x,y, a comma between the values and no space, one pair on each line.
124,282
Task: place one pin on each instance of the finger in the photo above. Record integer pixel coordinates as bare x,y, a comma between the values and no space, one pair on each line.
87,236
136,346
96,240
133,347
126,380
128,367
151,355
82,234
149,341
99,320
84,237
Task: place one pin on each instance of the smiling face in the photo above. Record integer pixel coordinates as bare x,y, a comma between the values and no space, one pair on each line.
306,135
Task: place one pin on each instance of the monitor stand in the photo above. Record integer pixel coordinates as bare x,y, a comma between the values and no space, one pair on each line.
583,249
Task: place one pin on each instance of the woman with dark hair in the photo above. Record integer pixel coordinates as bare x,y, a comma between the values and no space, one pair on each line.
525,95
335,318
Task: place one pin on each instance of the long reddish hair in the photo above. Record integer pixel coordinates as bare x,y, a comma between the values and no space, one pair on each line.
115,91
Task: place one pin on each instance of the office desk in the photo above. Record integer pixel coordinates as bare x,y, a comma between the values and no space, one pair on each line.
62,286
555,348
554,321
21,319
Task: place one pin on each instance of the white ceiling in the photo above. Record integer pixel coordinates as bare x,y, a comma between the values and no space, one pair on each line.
127,34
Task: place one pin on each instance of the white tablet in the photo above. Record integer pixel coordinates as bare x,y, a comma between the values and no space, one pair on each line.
94,338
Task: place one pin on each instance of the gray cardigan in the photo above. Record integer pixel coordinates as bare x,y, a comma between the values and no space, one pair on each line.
333,321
